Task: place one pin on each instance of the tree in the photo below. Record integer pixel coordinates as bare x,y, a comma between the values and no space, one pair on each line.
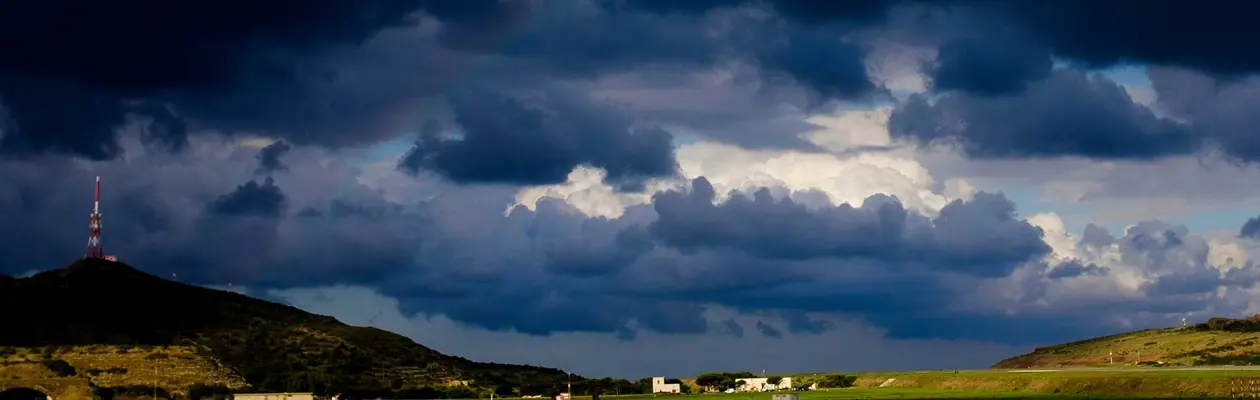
774,380
709,379
504,390
837,381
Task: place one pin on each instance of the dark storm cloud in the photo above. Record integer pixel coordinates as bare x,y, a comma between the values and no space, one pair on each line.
37,110
818,60
799,322
1223,112
1067,113
733,328
576,38
1113,32
998,64
1250,229
507,139
72,100
768,330
553,269
323,78
980,237
814,12
335,74
1092,33
1075,268
269,158
265,200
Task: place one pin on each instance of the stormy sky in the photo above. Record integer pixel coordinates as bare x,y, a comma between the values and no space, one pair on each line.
648,187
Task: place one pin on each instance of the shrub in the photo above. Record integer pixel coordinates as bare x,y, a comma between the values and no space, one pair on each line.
60,367
721,380
836,381
198,391
1230,324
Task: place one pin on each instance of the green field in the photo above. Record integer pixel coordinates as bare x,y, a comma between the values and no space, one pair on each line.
1131,382
1097,383
853,394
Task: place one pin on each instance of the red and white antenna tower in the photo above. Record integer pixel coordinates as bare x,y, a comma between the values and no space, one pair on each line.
94,241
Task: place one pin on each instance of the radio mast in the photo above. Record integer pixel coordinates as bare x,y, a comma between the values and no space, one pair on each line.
94,241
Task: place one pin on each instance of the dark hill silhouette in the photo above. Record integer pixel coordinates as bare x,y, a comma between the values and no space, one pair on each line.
273,346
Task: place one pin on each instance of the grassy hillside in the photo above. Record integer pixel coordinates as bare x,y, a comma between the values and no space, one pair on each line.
114,324
1220,341
1094,384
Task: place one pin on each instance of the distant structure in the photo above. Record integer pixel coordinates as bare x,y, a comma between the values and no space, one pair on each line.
276,396
659,386
94,249
762,384
94,241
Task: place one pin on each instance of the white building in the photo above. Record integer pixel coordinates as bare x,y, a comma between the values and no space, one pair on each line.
659,386
275,396
760,384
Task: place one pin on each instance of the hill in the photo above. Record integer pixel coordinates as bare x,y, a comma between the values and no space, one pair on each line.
118,327
1219,341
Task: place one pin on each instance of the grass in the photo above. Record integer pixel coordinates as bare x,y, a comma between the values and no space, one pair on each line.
111,366
1172,346
1146,383
850,394
1117,383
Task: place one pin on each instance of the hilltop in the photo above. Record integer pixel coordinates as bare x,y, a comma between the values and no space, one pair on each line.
117,326
1219,341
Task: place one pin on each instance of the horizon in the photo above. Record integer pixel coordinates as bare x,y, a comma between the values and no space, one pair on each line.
646,187
766,373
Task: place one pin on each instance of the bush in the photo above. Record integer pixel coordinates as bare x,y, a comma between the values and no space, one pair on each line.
60,367
1230,324
837,381
721,380
218,392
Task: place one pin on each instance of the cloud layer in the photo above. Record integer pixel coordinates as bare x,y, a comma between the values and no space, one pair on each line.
647,170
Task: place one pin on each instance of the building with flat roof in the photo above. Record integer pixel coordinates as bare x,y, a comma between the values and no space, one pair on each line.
659,386
761,384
